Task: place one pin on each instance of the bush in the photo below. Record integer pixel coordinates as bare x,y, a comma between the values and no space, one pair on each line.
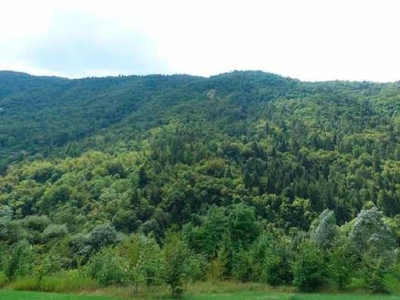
176,260
308,267
6,215
198,267
374,269
80,249
150,263
242,266
342,262
18,261
106,268
46,265
102,235
276,269
2,256
54,231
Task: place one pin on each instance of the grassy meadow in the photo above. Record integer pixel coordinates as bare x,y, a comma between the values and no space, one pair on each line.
22,295
71,286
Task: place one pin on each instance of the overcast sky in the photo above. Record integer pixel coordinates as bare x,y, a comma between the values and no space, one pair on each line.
306,39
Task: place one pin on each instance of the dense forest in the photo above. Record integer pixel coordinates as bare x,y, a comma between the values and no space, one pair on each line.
245,176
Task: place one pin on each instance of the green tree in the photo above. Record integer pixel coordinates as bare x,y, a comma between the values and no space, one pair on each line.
276,263
242,267
326,230
207,237
373,242
176,259
243,227
371,232
102,235
6,215
308,267
17,260
341,263
374,269
106,267
151,263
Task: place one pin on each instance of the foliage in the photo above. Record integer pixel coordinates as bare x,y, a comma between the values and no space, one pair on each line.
341,264
177,267
326,230
150,263
370,233
242,294
242,225
374,269
18,261
263,178
102,235
106,268
308,268
54,232
242,266
6,214
45,265
276,263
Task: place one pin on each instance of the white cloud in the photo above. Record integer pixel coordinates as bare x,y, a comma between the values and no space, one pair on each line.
309,39
82,44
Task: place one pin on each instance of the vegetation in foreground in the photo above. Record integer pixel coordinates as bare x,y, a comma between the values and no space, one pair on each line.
20,295
163,181
12,295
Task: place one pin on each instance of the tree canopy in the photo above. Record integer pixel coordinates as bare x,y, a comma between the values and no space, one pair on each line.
217,166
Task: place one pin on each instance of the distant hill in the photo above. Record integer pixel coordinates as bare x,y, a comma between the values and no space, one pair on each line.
40,113
248,134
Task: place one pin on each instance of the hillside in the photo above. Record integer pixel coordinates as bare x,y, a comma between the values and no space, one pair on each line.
276,135
243,152
40,113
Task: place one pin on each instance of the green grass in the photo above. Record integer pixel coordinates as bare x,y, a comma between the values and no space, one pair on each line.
72,286
19,295
272,296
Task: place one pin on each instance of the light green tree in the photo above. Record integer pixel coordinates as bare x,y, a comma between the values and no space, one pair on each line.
326,230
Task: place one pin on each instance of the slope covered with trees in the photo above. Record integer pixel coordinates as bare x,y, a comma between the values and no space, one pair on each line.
245,175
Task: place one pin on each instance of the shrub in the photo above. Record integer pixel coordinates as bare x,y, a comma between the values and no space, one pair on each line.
308,267
326,231
106,268
54,231
176,263
374,269
102,235
242,266
17,262
276,269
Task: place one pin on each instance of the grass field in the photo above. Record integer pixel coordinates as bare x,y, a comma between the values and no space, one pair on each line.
17,295
267,296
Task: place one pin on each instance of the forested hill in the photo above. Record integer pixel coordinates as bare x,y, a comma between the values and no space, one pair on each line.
42,113
250,170
182,143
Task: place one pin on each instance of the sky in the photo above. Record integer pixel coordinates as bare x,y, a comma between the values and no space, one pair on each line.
313,40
